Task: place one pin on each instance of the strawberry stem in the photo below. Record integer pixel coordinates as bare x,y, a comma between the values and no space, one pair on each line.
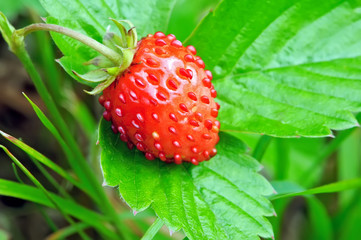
102,49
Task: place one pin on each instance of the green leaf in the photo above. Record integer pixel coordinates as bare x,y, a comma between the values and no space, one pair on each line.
92,19
219,199
94,76
16,7
284,67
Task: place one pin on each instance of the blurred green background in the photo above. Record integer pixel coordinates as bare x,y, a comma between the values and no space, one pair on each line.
288,163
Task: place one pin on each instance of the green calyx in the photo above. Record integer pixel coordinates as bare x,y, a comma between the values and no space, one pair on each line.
116,51
125,45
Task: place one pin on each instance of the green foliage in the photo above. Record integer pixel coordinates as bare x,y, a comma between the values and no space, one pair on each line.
12,8
86,17
284,68
13,189
212,200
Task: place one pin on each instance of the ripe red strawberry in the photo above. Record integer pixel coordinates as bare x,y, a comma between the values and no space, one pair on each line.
164,102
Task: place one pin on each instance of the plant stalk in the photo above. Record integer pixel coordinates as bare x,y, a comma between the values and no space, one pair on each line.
102,49
261,147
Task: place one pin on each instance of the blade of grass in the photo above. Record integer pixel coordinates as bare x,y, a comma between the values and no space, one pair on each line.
29,193
67,231
22,54
42,188
48,220
51,180
328,188
42,159
153,229
72,159
17,46
162,234
89,178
